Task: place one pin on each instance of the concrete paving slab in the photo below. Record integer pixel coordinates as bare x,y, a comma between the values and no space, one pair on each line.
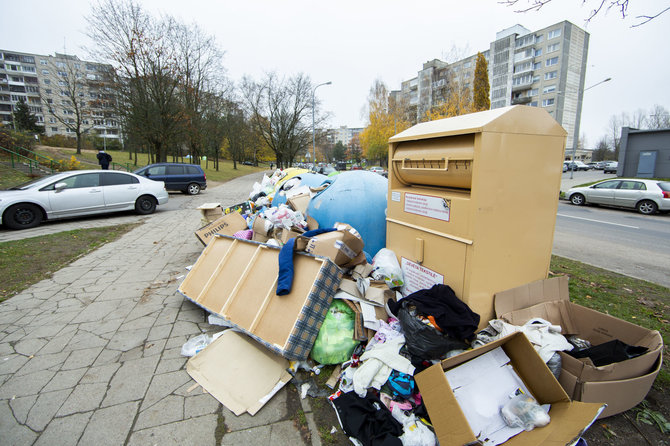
197,431
110,426
65,430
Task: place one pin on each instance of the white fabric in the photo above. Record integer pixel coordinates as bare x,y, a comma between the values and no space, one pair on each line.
545,337
378,362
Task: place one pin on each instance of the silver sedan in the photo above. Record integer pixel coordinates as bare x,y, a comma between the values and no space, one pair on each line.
647,196
78,193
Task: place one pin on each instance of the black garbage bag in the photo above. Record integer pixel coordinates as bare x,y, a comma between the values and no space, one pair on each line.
424,341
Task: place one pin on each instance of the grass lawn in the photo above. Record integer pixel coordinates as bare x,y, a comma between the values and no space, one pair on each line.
89,161
25,262
10,177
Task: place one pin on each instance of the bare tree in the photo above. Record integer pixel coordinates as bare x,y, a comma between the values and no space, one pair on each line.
659,118
145,59
74,96
280,111
596,5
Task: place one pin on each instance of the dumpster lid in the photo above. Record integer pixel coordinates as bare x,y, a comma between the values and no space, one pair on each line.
520,119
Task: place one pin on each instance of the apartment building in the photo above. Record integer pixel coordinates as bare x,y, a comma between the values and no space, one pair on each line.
47,84
342,134
544,68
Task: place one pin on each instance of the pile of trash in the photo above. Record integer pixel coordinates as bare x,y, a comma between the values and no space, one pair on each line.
306,291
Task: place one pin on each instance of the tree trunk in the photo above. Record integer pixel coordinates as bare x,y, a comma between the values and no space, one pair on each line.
78,143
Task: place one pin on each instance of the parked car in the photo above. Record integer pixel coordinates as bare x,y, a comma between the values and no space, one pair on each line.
600,165
187,178
647,196
77,193
565,167
611,167
576,165
378,169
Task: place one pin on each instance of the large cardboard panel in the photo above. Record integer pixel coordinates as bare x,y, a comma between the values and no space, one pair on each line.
568,418
210,211
300,202
228,225
237,279
239,372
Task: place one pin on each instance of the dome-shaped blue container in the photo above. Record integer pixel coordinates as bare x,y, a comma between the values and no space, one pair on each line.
306,179
357,197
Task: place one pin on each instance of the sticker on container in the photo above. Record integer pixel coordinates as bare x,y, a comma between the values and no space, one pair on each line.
428,206
395,196
346,250
418,277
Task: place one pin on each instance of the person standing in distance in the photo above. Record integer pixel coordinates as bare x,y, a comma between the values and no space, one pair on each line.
104,159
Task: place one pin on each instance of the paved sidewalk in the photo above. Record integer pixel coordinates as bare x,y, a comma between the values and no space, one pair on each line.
92,355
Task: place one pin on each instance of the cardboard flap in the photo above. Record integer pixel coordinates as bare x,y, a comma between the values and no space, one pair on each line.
239,372
533,293
558,313
228,225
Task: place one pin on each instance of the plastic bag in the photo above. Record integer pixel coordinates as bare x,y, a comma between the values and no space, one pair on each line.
523,411
424,341
194,345
334,343
385,267
415,433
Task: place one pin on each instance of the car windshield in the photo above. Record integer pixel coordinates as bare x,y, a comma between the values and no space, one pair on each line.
35,182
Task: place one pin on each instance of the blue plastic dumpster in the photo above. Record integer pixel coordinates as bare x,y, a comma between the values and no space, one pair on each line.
306,179
356,197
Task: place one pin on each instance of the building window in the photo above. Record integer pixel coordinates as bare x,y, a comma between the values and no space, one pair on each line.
52,120
553,34
553,47
550,75
539,38
62,73
537,65
538,52
47,81
467,64
549,89
45,71
50,101
17,79
536,79
28,69
54,129
60,64
533,92
547,102
550,62
533,104
48,91
43,61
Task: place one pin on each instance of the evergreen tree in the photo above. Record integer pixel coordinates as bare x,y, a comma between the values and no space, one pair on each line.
24,119
481,84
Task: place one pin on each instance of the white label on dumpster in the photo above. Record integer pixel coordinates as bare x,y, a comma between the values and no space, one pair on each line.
395,196
428,206
417,277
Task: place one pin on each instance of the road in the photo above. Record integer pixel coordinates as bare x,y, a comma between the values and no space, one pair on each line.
614,239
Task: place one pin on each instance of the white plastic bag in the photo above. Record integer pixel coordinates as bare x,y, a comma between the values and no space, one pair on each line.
415,433
195,344
385,267
523,411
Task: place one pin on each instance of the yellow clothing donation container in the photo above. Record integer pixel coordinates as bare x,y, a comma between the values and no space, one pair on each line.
472,201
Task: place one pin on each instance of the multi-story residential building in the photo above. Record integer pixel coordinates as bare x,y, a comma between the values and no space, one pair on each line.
543,68
343,134
48,84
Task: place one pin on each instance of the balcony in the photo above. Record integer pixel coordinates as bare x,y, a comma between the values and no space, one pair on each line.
521,101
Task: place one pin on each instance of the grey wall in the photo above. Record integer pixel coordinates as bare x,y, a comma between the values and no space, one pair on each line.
635,141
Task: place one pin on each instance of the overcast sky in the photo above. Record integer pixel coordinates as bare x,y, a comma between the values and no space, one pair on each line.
352,43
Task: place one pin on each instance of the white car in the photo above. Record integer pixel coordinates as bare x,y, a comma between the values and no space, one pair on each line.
647,196
77,193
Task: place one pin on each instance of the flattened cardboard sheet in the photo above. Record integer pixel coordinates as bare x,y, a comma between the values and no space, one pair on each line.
228,225
237,371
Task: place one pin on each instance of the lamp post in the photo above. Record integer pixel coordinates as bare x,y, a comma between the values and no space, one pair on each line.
313,131
575,138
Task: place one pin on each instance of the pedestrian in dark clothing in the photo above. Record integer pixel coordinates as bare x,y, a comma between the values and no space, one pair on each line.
104,159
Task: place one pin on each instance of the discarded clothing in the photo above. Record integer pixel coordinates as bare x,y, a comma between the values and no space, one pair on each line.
545,337
378,362
610,352
451,314
285,276
367,420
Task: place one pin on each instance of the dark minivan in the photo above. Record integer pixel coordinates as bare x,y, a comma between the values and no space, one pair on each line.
187,178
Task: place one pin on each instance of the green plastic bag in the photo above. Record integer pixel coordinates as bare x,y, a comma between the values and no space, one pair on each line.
334,343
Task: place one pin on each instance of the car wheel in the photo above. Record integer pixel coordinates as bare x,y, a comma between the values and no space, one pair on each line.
647,207
22,216
577,199
146,204
193,189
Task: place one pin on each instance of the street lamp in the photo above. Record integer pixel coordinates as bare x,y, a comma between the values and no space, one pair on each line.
313,132
575,138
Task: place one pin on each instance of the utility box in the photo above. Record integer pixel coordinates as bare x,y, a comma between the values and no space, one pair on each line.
472,201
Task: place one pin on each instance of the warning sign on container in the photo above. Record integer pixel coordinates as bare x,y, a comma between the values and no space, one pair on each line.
418,277
428,206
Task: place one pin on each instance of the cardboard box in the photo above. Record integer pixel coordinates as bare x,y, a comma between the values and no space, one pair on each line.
299,202
237,279
621,385
283,235
342,245
262,228
239,372
244,208
211,211
569,419
227,225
